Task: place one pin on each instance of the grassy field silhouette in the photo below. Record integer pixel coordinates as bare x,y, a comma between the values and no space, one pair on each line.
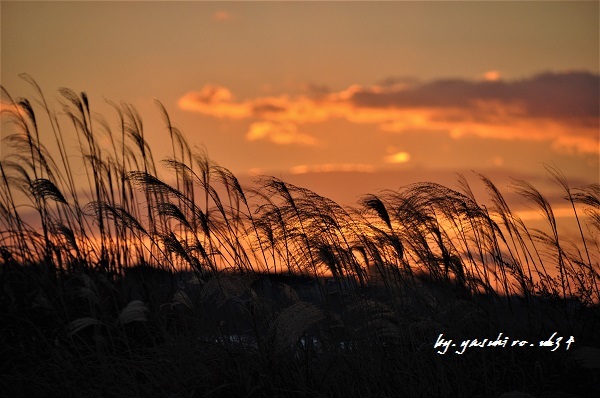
135,284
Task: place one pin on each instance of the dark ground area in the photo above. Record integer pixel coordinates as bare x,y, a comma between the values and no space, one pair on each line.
153,333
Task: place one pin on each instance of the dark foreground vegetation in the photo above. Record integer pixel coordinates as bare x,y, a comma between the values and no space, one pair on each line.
132,284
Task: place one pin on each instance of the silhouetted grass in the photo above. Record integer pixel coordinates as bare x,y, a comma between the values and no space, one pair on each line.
124,282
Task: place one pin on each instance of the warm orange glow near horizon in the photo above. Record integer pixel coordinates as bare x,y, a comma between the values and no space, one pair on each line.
328,168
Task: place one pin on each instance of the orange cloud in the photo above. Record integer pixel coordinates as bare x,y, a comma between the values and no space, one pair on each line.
222,16
562,108
398,157
214,101
279,133
491,76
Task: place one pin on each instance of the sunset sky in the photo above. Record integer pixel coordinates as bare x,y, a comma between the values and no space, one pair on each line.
343,97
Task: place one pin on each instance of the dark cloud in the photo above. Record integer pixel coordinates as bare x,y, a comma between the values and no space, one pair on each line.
395,81
565,95
569,95
260,109
317,90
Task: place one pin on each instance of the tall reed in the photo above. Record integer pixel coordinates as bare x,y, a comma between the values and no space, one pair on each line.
206,221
